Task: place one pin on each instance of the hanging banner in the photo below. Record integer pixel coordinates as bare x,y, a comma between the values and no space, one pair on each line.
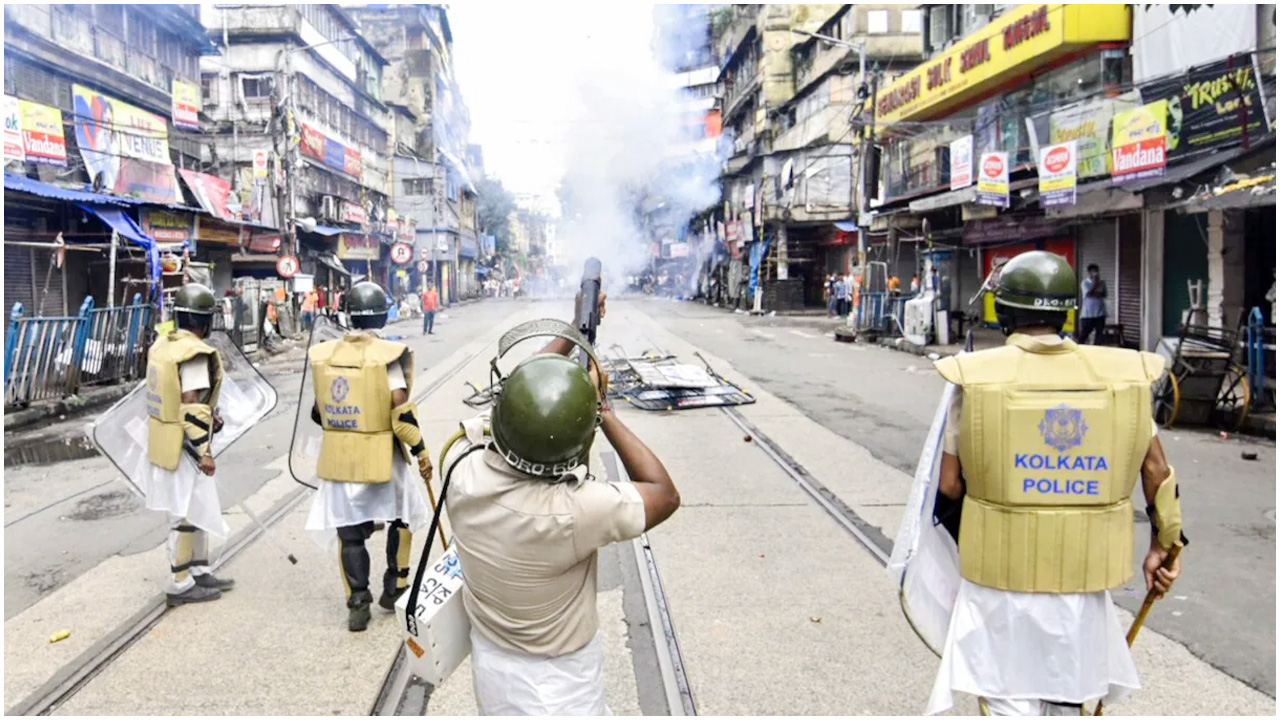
1057,170
962,162
211,192
186,105
42,140
1205,106
211,230
168,227
993,179
1089,125
1138,142
407,231
125,149
353,213
358,247
317,145
13,130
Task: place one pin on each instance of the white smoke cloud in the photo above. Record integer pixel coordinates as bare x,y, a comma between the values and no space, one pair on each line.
625,150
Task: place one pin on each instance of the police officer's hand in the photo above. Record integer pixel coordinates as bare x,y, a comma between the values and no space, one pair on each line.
1160,578
425,469
206,465
602,387
600,305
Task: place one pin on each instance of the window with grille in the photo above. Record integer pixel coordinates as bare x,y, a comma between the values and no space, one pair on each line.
255,89
417,186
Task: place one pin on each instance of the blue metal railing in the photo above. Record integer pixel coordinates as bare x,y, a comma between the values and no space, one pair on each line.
51,357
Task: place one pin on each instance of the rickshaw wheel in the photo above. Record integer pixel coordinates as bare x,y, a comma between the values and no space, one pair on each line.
1232,406
1164,405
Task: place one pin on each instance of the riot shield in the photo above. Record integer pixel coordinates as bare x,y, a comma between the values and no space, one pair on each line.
925,563
304,448
246,397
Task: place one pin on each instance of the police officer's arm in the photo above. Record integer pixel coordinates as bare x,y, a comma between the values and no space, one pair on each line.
1160,488
661,499
404,423
949,481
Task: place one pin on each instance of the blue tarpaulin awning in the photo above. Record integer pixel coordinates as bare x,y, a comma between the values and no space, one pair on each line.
847,226
24,184
327,231
124,225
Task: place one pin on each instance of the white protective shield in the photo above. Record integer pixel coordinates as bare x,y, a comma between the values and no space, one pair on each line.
925,563
245,399
304,449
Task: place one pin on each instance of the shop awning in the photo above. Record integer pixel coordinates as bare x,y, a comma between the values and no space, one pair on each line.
24,184
326,230
124,225
846,226
333,263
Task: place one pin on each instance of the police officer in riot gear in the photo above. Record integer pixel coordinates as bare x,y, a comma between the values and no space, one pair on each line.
362,387
184,375
1041,450
528,520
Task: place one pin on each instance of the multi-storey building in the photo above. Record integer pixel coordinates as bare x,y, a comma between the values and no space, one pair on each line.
296,112
1002,83
432,178
101,109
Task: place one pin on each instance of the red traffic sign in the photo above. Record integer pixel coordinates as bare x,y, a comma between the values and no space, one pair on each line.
401,253
422,266
287,266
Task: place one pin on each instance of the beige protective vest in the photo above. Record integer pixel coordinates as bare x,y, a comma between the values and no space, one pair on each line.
164,392
350,381
1052,439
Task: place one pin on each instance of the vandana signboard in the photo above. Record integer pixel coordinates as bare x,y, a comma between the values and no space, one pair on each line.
1057,170
1138,142
993,179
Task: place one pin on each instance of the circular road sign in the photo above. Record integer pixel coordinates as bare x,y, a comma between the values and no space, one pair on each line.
287,266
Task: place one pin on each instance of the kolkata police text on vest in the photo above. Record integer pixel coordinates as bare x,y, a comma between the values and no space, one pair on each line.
1062,427
348,424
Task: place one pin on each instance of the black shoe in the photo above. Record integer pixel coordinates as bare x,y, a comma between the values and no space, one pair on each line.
209,581
388,602
358,618
193,594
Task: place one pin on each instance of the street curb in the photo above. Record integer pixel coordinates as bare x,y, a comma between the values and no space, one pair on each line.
69,406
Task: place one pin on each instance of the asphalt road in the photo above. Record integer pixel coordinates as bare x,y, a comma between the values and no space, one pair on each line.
1222,610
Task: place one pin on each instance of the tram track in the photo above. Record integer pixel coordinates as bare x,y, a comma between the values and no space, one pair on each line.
78,674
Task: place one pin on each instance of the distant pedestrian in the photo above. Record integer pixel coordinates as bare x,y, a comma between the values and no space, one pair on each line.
309,309
845,290
322,304
430,301
833,299
1093,314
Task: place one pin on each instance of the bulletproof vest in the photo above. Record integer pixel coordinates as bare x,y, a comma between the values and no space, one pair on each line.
164,392
1052,439
350,381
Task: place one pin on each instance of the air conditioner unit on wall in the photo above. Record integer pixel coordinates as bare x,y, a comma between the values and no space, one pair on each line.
329,208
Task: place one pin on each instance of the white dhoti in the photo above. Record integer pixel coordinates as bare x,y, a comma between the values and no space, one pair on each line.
510,683
1022,650
191,499
339,504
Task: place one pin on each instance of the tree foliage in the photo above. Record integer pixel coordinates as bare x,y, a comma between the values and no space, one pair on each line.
494,207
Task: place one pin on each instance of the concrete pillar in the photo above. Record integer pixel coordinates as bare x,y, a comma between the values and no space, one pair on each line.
780,237
1213,293
1152,277
1233,267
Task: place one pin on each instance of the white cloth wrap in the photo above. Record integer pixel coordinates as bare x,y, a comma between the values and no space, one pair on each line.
1067,648
339,504
183,493
508,683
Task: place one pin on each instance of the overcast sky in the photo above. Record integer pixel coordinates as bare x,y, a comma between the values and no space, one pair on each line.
521,66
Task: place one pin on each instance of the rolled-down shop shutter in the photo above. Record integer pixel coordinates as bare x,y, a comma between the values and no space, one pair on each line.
1098,246
17,279
1129,288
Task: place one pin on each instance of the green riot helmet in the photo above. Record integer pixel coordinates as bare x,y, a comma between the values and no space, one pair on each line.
193,308
366,305
1035,288
546,411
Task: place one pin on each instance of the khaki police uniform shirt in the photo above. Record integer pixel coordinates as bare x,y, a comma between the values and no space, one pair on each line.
951,434
528,551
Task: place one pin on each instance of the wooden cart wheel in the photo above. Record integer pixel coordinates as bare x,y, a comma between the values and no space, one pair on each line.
1232,406
1164,404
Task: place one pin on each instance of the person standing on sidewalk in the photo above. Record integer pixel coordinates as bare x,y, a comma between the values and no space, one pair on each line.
1042,446
362,388
184,375
430,301
528,521
309,309
1093,316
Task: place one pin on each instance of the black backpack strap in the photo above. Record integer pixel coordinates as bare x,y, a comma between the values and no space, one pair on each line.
410,614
